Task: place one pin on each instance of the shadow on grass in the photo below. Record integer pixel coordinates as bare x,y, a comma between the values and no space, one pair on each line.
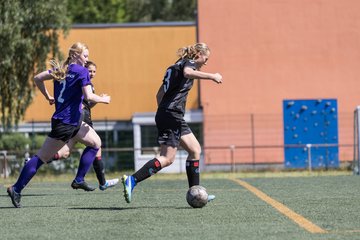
126,208
31,195
29,207
101,209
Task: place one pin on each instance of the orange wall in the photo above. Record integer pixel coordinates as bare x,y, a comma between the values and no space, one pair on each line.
270,50
131,63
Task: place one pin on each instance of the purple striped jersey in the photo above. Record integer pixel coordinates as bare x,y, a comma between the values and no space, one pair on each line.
69,96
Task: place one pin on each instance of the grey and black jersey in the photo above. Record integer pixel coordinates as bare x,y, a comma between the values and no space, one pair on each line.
87,109
86,103
176,86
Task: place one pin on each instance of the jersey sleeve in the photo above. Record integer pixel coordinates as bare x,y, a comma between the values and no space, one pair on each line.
190,64
85,77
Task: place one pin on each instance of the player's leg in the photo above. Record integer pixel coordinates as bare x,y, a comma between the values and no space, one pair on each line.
189,142
45,153
99,169
64,152
167,156
88,137
169,131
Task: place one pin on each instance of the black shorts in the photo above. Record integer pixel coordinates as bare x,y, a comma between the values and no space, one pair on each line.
62,131
87,117
171,126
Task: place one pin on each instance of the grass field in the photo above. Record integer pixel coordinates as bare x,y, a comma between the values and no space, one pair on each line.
247,206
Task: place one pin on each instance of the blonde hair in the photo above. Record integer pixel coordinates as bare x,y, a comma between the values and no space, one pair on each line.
59,69
190,52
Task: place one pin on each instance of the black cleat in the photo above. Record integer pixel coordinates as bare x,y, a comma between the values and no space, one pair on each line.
82,185
15,197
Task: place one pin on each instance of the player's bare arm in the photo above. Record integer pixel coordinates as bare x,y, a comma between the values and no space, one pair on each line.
39,81
193,74
90,96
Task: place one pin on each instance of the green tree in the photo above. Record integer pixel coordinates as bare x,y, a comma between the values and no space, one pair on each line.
184,10
119,11
29,32
95,11
145,10
159,10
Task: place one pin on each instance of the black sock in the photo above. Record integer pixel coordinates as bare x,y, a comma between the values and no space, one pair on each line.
193,172
150,168
99,170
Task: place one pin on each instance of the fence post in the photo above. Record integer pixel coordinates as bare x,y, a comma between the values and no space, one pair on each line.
356,169
308,146
253,139
106,137
355,157
232,149
5,163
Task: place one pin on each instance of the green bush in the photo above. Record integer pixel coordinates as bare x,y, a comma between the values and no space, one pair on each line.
38,141
14,142
79,146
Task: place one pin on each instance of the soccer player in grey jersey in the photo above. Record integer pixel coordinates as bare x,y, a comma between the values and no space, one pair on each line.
173,131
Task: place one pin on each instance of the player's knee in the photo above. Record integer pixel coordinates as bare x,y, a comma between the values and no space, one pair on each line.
195,153
65,155
167,162
97,143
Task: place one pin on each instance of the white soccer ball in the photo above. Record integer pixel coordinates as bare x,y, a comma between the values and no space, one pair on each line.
196,196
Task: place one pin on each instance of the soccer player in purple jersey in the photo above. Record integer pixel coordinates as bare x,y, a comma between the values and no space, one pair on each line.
71,85
98,164
173,131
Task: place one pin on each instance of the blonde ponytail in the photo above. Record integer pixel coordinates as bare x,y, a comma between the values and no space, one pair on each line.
190,52
59,69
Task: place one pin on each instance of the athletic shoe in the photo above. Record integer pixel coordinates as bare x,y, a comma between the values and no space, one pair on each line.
211,197
108,184
82,185
129,184
15,197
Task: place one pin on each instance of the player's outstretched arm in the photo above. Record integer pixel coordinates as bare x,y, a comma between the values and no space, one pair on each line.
193,74
92,97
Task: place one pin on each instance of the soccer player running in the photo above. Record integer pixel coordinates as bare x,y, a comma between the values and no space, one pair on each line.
173,131
98,164
71,84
